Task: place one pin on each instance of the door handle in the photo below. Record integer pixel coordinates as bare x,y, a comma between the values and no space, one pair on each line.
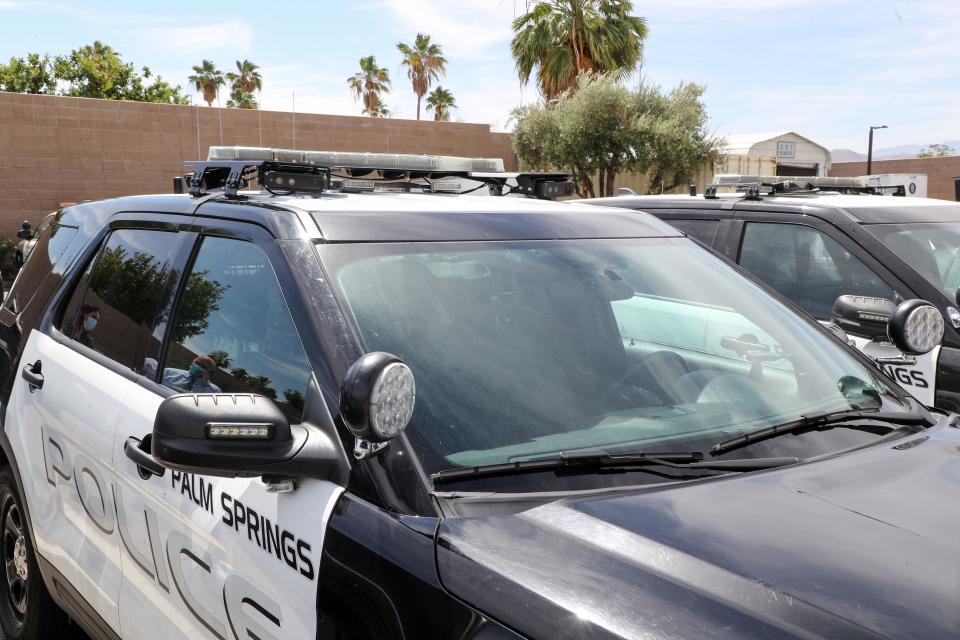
147,466
31,373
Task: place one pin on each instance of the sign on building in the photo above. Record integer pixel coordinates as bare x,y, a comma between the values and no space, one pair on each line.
786,150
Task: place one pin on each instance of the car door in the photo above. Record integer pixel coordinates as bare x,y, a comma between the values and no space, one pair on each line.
208,557
63,409
812,267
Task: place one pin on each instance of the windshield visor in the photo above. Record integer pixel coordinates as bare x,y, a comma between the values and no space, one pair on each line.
526,349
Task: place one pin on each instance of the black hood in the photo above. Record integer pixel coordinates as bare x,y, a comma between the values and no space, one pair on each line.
863,545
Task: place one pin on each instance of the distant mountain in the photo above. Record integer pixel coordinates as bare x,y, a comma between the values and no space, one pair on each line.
902,151
847,155
888,153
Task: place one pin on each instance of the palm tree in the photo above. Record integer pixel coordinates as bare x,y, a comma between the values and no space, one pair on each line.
424,62
208,80
246,78
240,99
221,358
440,101
381,111
368,83
563,38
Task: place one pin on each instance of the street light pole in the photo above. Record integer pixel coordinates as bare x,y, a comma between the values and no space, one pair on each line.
870,149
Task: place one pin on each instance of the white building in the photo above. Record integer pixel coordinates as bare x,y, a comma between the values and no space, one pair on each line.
783,154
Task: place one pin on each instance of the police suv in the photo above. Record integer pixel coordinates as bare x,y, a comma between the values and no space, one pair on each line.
359,404
841,256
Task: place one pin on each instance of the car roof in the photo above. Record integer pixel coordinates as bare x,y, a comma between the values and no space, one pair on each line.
412,217
400,217
865,209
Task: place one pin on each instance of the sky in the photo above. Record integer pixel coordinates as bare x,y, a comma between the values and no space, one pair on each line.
827,69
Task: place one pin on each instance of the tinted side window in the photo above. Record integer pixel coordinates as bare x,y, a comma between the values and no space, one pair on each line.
51,241
232,331
123,298
807,266
703,230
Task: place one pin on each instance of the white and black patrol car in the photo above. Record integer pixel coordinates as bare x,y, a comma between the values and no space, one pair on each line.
840,252
356,404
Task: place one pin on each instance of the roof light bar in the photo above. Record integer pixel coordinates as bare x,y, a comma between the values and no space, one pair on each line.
733,180
353,160
284,171
755,186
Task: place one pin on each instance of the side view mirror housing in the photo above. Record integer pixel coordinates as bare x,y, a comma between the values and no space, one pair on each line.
863,316
916,327
247,435
240,435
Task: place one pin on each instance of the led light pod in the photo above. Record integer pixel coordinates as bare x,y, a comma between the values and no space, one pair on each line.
392,399
377,397
916,327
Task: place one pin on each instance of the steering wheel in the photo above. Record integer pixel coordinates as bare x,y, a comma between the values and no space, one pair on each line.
643,366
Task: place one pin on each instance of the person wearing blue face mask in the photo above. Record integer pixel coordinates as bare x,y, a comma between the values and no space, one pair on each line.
89,318
200,371
196,379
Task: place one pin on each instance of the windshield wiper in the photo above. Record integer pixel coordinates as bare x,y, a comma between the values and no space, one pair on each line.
586,460
819,420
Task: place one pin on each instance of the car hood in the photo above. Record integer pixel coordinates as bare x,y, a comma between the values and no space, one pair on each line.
862,545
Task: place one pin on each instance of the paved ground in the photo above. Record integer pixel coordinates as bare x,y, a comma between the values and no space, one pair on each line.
76,635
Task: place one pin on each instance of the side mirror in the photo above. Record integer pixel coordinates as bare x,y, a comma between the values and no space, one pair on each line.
377,397
916,327
237,435
863,316
858,393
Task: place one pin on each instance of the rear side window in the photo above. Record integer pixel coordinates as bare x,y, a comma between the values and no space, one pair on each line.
119,303
232,331
807,266
51,241
703,230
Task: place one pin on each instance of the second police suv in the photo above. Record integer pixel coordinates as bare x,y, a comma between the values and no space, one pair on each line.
842,253
360,404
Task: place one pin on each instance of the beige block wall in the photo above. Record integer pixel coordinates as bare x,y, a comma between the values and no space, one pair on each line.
748,165
641,183
55,149
940,172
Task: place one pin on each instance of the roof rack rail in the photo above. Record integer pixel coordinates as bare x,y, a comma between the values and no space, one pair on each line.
756,186
284,171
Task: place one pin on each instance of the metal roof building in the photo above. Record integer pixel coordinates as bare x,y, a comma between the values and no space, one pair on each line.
790,154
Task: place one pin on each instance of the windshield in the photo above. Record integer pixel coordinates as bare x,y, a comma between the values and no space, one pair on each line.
526,349
932,248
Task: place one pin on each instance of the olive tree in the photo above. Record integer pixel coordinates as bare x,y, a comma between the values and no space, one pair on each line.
602,129
680,142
